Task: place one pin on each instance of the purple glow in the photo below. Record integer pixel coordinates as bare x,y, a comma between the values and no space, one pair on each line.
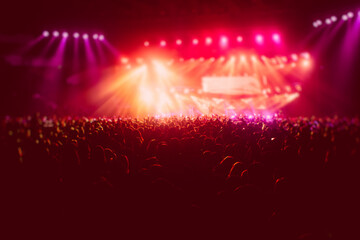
315,24
328,21
65,34
276,38
46,33
76,35
101,37
344,17
259,39
334,18
95,36
85,36
56,33
350,14
319,22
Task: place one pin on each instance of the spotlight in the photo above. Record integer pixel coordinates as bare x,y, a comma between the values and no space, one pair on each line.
315,25
178,42
162,43
195,41
124,60
101,37
319,22
239,39
294,57
223,41
344,17
46,33
276,38
328,21
208,40
259,39
56,33
146,43
333,18
95,36
85,36
76,35
350,14
65,34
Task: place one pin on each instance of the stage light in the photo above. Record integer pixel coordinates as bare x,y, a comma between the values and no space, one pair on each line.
212,59
223,41
305,55
259,39
232,58
293,65
76,35
276,38
315,24
222,59
124,60
294,57
195,41
162,43
333,18
65,34
239,39
178,42
85,36
306,63
298,88
146,43
319,22
56,33
344,17
101,37
46,33
208,40
328,21
95,36
243,58
186,91
253,58
350,14
201,59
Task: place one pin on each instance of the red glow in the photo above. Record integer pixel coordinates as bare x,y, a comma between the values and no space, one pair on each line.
208,40
276,38
195,41
259,39
224,41
178,42
146,43
162,43
124,60
239,39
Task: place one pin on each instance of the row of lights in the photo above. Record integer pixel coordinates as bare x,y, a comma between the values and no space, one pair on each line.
259,39
333,19
76,35
277,60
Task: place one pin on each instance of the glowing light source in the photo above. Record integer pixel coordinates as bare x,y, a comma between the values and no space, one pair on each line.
76,35
315,24
306,63
95,36
56,33
319,22
294,57
333,18
195,41
276,38
208,40
46,33
124,60
344,17
242,58
223,41
101,37
222,59
259,39
350,14
305,55
253,58
328,21
85,36
178,42
162,43
146,43
239,39
65,34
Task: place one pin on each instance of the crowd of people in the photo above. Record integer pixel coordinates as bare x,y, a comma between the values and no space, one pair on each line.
181,177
